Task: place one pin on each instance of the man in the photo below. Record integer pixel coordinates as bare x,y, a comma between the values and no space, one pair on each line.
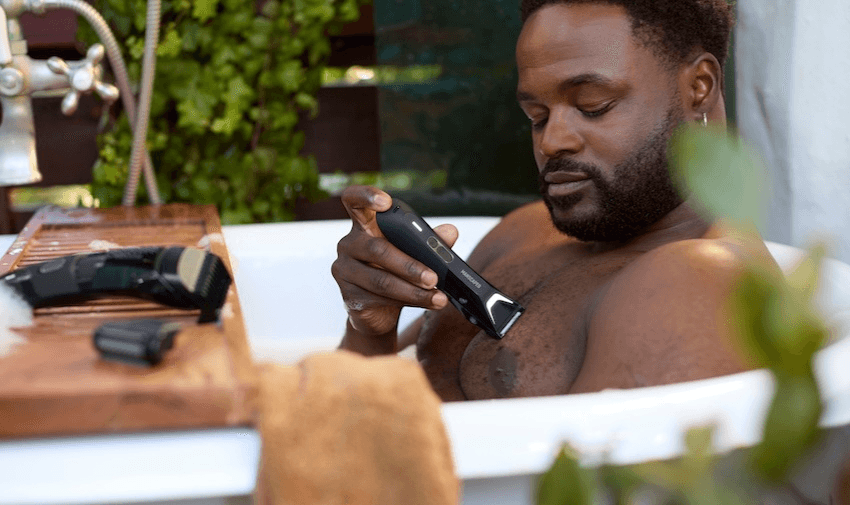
624,283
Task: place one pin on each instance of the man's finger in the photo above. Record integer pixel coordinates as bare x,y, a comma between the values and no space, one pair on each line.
379,251
370,285
361,203
448,233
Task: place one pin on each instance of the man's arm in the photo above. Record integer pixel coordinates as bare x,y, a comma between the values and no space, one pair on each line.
665,318
410,335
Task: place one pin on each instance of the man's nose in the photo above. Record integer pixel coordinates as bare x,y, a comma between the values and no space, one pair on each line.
560,136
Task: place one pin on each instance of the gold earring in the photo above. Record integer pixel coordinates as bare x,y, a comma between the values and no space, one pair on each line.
704,120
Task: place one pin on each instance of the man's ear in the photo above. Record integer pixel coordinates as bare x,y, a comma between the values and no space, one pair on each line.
701,85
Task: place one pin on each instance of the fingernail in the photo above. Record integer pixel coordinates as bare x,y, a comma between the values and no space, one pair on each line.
429,279
439,299
381,200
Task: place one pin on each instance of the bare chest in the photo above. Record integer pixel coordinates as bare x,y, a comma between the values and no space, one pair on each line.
543,352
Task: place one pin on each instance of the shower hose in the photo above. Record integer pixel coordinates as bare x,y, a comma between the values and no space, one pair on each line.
139,157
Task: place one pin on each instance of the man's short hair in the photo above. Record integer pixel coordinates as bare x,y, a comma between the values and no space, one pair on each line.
671,28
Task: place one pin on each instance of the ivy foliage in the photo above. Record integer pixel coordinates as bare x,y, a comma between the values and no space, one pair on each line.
778,329
233,78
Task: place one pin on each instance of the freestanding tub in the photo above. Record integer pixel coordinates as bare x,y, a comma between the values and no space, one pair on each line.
292,307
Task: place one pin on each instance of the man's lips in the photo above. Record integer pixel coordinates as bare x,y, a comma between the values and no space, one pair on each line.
562,177
565,183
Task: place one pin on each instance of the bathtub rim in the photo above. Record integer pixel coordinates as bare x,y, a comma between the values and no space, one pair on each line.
473,445
111,448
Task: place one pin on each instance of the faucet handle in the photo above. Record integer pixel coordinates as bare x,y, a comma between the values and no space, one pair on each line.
84,77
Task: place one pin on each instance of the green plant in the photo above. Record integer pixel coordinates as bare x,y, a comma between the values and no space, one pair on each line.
778,329
233,79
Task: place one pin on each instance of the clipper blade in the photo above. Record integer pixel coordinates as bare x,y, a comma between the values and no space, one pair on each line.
503,312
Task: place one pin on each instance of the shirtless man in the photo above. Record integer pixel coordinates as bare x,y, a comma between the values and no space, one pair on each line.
624,284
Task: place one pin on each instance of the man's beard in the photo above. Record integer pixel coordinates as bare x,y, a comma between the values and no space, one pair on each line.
640,194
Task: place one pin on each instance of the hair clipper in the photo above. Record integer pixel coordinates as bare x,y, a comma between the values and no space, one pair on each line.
481,303
182,277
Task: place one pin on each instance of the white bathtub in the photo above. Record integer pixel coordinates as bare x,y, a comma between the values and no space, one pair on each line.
292,307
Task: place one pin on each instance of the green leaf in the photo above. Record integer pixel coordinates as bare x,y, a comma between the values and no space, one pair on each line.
794,330
271,8
204,9
260,207
290,75
748,304
170,45
791,426
776,323
139,17
698,443
348,11
806,275
136,47
307,102
724,174
566,483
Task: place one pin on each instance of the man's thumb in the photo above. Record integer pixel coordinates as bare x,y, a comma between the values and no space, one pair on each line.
447,233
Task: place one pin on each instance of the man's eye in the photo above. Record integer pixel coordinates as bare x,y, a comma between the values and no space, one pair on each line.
538,124
597,111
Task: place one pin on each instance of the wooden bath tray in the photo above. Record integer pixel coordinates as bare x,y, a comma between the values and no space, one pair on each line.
56,384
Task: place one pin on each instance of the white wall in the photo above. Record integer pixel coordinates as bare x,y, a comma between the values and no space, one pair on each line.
793,87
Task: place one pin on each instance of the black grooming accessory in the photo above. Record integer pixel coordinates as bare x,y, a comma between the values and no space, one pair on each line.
138,342
481,303
181,277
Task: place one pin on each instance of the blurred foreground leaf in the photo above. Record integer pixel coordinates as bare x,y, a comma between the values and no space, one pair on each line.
805,277
724,174
779,329
791,427
566,483
793,333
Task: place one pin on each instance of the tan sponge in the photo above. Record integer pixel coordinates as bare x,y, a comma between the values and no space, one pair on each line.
340,428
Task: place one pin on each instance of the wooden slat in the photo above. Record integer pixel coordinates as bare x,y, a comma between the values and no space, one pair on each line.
56,383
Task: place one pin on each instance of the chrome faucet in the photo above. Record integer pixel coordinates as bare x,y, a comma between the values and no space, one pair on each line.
21,76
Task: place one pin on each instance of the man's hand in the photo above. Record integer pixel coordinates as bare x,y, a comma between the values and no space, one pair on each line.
376,279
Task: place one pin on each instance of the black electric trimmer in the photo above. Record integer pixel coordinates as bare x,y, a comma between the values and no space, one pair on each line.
181,277
481,303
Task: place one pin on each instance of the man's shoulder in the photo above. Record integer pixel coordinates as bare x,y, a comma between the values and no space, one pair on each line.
697,270
717,258
665,316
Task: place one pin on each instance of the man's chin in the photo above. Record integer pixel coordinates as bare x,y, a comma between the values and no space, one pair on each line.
569,219
572,205
591,224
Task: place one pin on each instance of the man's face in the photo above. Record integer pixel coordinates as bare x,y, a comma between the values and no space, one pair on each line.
602,108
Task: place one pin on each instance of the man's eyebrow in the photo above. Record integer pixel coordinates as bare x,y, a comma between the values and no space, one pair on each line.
587,78
578,80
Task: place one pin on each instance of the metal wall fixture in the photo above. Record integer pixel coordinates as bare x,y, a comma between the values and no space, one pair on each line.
21,76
